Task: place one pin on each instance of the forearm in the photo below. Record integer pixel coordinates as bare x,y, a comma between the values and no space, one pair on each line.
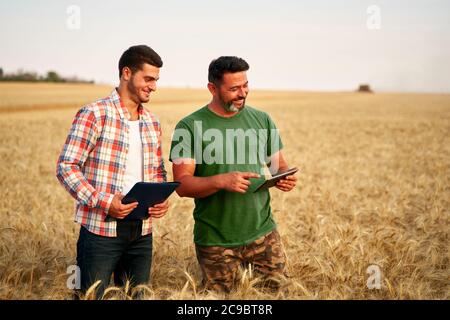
283,168
198,187
277,163
79,188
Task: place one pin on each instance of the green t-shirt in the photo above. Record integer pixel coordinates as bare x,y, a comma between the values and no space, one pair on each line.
219,145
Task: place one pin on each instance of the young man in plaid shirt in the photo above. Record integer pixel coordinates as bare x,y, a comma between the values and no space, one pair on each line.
112,144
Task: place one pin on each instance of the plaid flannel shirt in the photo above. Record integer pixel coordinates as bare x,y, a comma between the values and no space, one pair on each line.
92,163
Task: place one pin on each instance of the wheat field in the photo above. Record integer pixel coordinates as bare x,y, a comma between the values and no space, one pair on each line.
373,189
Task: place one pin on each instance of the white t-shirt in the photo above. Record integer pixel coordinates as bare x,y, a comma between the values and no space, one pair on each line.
134,168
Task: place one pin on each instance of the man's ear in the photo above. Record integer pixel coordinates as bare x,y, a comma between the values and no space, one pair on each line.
126,73
212,88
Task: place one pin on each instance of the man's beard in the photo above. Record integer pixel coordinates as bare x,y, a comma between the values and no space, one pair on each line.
229,106
135,92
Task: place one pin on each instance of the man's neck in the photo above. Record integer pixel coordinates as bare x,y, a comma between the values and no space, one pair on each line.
131,105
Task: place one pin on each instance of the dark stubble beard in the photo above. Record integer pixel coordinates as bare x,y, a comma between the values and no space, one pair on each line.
134,92
229,106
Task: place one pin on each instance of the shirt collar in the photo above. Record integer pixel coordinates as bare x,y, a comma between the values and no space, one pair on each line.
123,111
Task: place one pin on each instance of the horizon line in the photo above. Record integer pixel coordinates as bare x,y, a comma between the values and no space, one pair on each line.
374,90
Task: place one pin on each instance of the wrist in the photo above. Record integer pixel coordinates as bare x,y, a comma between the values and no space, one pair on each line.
218,181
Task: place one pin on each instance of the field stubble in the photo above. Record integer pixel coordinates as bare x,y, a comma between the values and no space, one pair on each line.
374,189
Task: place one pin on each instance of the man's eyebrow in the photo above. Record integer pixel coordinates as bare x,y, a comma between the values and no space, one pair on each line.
151,78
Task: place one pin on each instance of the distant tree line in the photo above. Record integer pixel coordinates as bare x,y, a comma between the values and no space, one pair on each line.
51,76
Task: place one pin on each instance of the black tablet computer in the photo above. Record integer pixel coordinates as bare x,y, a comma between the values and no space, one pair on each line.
147,194
273,181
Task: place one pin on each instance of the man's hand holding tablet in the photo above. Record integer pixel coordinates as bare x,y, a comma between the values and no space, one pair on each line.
287,183
145,199
284,181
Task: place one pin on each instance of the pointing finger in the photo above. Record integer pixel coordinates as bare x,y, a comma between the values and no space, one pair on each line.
248,175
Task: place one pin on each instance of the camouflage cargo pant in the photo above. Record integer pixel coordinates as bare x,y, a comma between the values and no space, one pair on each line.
220,265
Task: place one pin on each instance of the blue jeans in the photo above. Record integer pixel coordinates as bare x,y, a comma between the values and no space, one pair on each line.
128,256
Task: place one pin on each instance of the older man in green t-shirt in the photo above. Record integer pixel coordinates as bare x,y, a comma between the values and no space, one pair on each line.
219,154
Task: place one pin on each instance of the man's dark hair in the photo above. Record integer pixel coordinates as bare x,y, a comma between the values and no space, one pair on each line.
225,64
136,56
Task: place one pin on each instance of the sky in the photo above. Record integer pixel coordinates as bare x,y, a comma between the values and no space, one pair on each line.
394,45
